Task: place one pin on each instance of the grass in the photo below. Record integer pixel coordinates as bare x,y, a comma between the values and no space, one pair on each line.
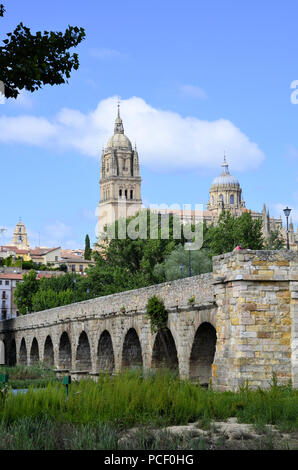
158,399
38,375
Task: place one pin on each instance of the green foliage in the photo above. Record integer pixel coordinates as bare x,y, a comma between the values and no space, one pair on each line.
45,299
140,255
275,241
176,263
160,398
30,61
157,313
25,291
232,231
88,251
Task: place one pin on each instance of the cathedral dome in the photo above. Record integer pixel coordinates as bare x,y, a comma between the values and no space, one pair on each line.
225,179
118,141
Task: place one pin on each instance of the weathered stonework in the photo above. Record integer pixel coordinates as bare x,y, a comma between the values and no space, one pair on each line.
256,318
246,311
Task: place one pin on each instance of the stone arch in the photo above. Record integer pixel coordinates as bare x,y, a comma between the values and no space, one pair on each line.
131,351
105,353
64,356
12,353
164,352
34,352
202,354
23,353
83,354
48,355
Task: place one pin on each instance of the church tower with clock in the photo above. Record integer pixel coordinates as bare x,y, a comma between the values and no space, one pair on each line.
120,181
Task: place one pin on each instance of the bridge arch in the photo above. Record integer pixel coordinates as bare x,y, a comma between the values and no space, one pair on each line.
23,358
12,353
131,350
105,353
164,353
64,353
34,352
48,355
202,353
83,353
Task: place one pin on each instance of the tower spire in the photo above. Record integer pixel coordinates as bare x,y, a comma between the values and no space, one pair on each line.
118,129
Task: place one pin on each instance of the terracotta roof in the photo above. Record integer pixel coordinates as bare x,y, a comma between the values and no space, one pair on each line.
11,276
37,251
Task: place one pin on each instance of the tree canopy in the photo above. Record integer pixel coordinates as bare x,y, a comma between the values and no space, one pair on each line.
29,61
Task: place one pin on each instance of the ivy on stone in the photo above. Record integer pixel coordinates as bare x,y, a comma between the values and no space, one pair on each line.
157,313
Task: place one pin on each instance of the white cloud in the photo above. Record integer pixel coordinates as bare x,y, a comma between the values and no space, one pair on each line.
193,92
165,139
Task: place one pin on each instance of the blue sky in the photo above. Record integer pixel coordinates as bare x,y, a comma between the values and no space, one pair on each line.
196,79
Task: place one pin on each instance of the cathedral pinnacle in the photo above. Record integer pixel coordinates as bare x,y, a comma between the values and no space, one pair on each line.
118,129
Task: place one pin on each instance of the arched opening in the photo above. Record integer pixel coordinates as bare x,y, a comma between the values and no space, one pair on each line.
12,353
48,356
164,352
105,353
202,354
23,353
34,353
83,356
232,199
132,351
64,352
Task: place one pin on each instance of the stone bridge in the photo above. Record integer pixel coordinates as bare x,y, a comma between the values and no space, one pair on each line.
237,324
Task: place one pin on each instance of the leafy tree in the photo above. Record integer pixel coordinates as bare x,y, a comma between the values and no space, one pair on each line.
88,251
142,254
275,241
44,299
176,265
30,61
231,231
25,291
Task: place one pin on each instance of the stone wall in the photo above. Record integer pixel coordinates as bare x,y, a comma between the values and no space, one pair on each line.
257,318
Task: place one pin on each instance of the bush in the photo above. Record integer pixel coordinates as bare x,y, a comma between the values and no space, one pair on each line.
157,313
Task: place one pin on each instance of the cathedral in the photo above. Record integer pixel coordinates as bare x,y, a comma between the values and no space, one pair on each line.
120,191
120,181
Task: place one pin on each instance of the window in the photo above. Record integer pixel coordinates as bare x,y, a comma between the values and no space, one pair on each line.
4,313
120,192
73,267
232,199
126,194
0,283
4,295
131,194
221,198
3,304
7,283
81,268
56,258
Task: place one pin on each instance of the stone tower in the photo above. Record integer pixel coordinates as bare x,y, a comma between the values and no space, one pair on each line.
120,181
225,193
20,238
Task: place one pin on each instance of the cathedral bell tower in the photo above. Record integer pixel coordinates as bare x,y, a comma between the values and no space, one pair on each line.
120,181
